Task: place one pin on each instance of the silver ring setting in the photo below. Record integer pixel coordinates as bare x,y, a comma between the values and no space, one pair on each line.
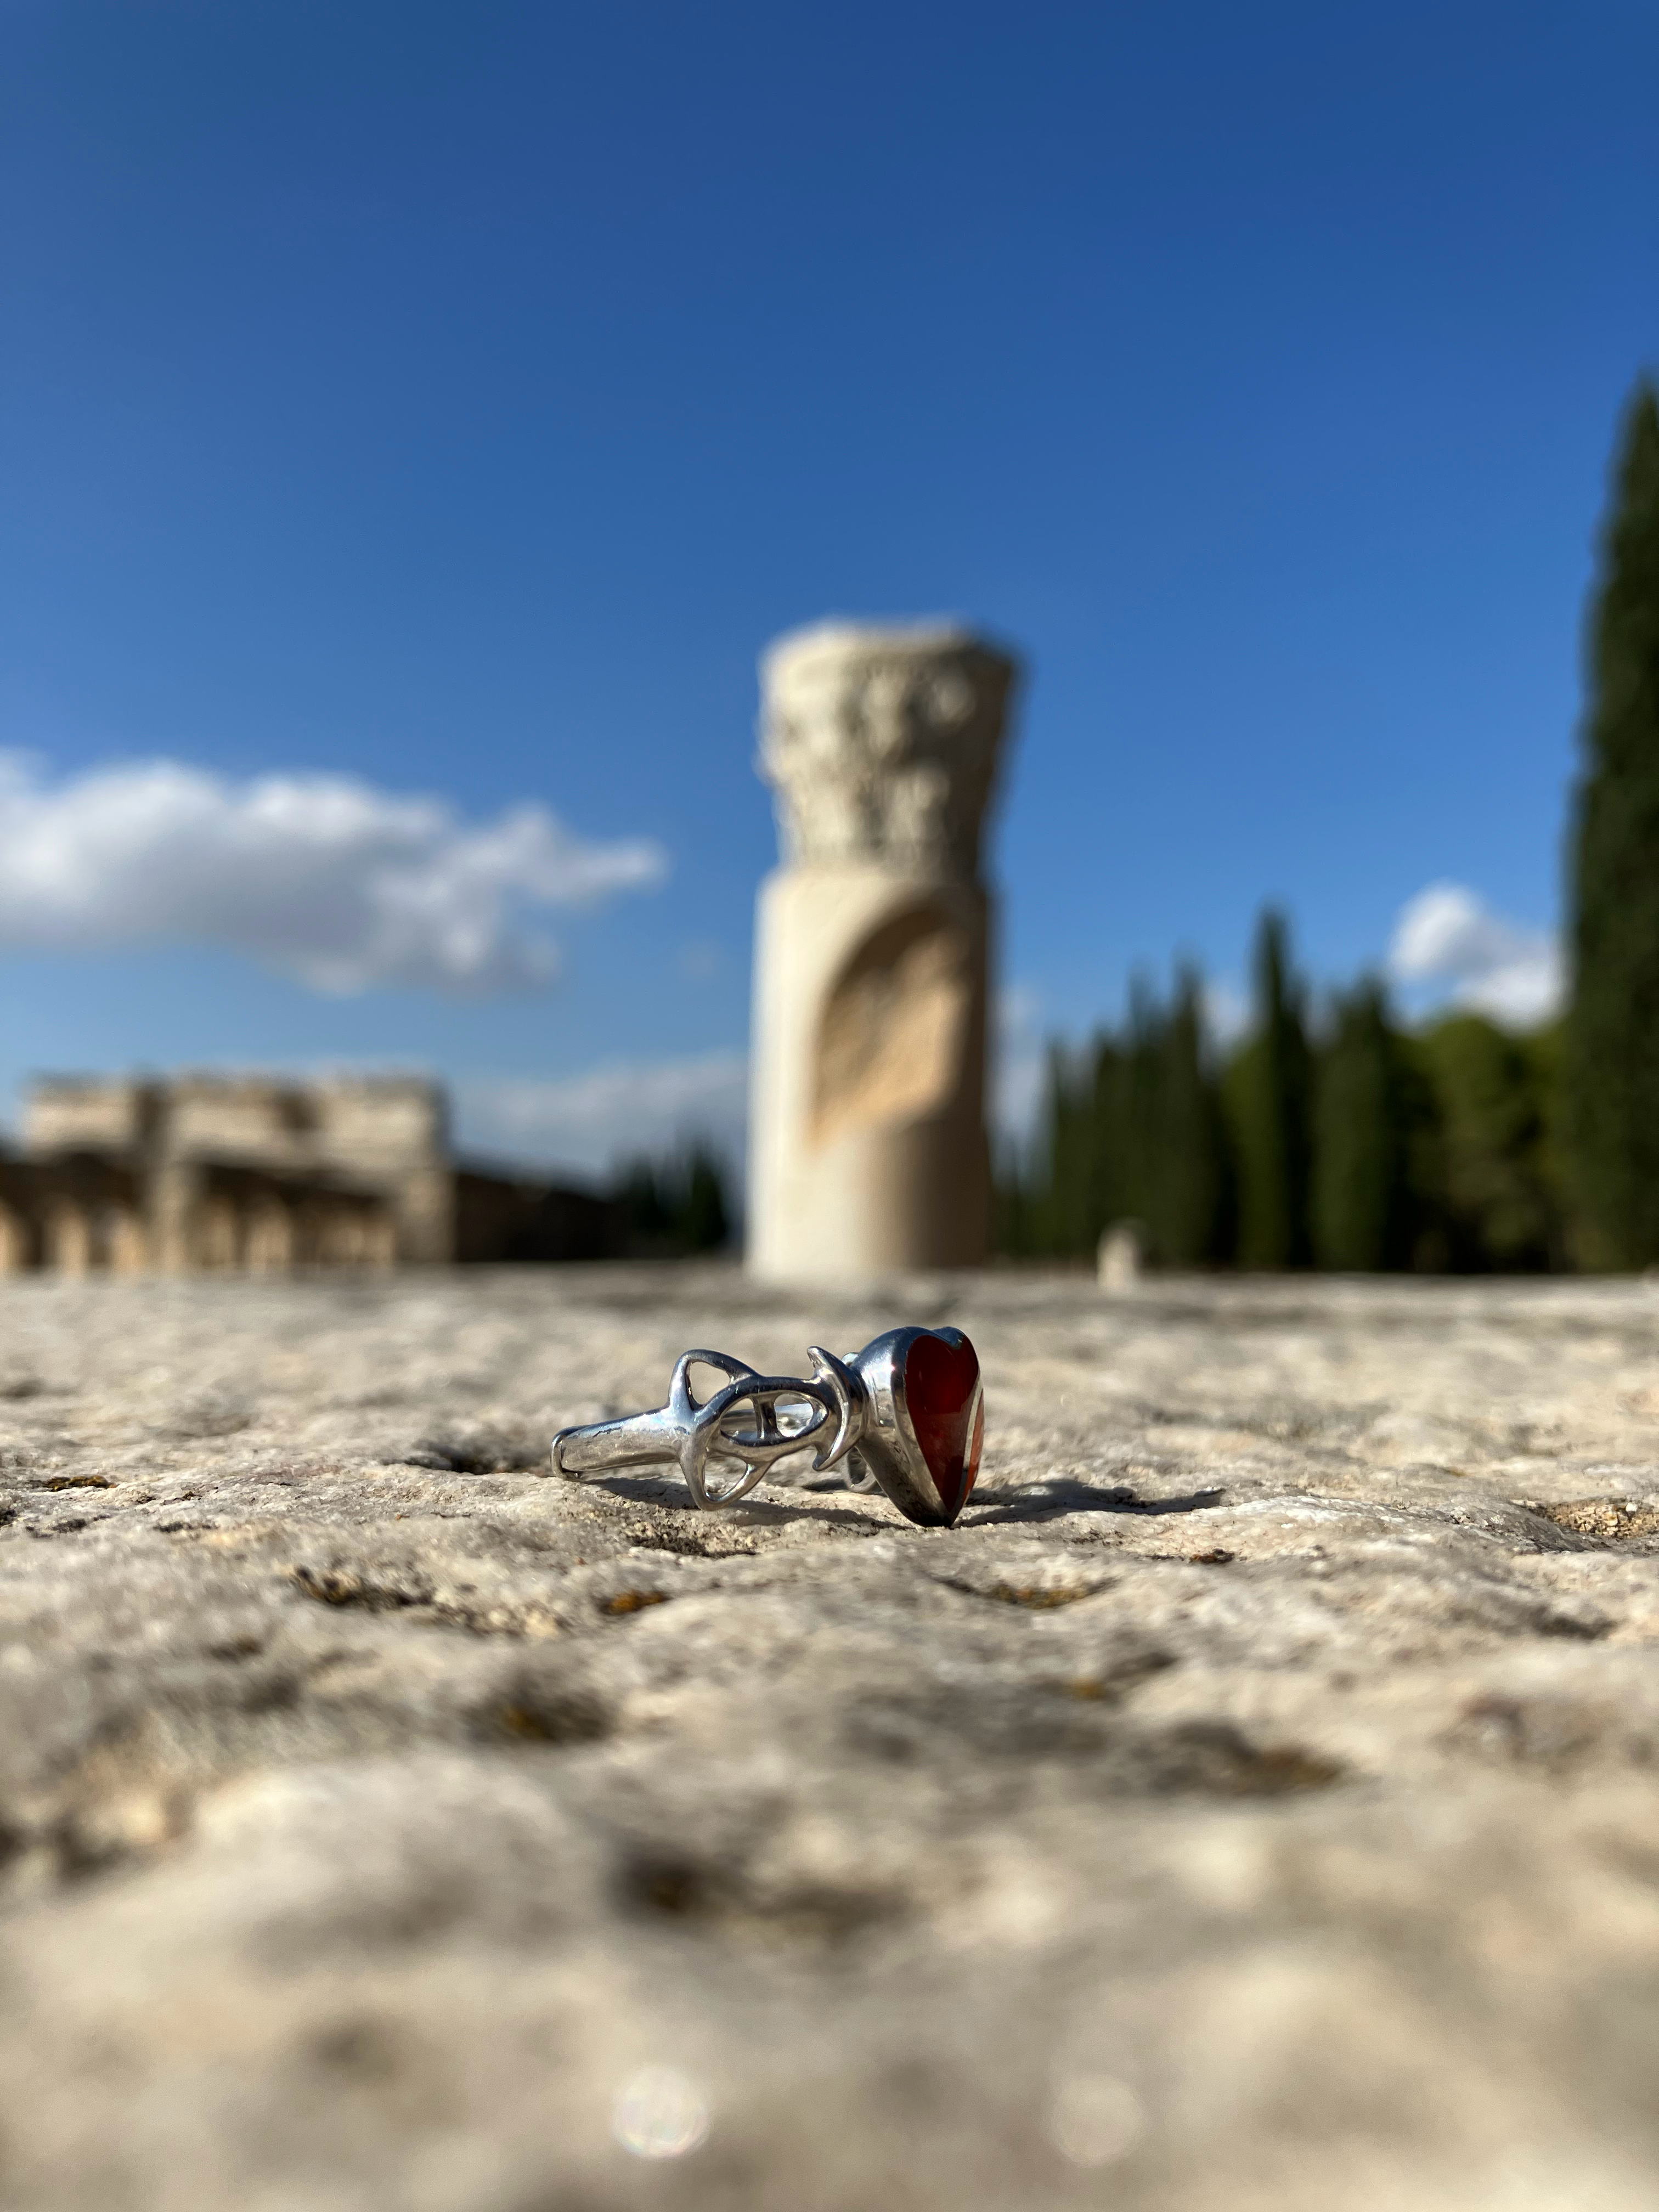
905,1416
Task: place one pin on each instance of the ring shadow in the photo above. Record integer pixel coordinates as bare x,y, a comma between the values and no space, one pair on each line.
1038,1501
641,1490
1047,1501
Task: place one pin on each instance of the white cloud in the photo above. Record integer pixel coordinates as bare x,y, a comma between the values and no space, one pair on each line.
322,877
1448,936
590,1121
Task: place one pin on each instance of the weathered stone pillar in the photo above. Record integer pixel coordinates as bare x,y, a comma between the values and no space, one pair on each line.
270,1238
176,1194
381,1248
220,1233
127,1253
867,1144
426,1215
14,1242
69,1238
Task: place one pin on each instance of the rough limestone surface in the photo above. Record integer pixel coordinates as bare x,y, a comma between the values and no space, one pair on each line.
1255,1801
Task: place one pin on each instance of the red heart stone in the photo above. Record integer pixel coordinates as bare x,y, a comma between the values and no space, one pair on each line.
946,1406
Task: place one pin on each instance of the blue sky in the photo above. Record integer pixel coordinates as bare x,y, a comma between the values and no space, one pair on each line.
456,398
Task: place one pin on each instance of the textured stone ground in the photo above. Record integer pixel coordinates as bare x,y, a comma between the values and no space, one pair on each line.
1254,1803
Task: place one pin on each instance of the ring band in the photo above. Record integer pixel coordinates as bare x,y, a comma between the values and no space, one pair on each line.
906,1415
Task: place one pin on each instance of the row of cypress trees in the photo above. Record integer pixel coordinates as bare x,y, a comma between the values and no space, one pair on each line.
1342,1139
1347,1141
677,1205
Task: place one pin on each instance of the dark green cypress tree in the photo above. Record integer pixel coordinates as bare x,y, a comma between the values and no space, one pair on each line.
1064,1203
1494,1095
1613,1028
1191,1221
1270,1085
650,1217
1362,1191
1144,1140
1111,1177
702,1219
1016,1199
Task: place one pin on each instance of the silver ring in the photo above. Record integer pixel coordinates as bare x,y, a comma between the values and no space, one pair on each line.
906,1416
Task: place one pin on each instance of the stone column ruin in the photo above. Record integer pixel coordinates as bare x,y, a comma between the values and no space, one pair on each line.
868,1153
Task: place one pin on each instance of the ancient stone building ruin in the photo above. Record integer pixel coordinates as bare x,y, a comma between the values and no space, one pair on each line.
261,1176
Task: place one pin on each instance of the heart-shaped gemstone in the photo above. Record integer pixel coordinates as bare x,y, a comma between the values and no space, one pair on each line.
946,1406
